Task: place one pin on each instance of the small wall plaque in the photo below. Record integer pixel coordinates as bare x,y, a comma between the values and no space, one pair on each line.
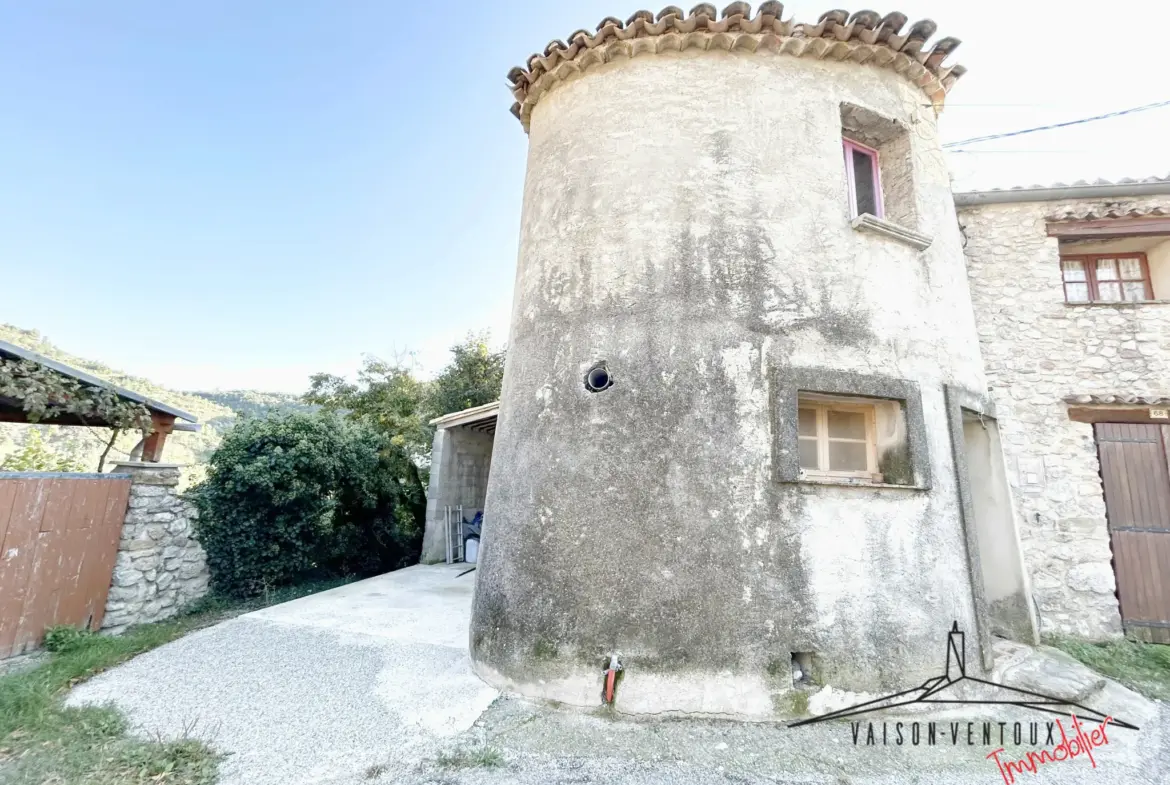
1160,414
1031,474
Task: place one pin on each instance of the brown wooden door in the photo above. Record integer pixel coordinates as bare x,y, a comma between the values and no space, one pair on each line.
1136,476
59,538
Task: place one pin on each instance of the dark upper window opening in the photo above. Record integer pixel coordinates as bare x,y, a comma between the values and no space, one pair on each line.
865,182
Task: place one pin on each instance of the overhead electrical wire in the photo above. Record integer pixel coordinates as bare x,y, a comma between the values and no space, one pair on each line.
1066,124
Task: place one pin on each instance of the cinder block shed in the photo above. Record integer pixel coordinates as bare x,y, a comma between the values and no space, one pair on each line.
461,456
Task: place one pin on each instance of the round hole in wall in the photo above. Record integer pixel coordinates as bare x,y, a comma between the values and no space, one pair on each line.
598,378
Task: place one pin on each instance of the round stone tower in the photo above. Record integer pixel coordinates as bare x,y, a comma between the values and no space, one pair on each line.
723,449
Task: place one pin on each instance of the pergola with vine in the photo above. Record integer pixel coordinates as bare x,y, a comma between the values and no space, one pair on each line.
37,390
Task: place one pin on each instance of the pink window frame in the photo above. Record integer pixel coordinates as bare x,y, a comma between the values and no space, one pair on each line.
849,146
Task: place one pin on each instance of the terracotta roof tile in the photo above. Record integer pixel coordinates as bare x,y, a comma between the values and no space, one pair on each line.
1097,213
1078,184
1081,189
864,37
1118,398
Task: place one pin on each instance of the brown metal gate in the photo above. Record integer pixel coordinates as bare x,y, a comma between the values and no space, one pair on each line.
1136,476
59,536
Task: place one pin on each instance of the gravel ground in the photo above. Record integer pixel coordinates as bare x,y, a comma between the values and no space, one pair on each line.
369,684
315,690
541,744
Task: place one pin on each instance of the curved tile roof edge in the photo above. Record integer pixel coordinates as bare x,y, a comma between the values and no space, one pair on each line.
1097,214
1118,398
1081,189
863,37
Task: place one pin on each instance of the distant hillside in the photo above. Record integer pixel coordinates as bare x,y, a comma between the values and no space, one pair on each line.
252,403
216,412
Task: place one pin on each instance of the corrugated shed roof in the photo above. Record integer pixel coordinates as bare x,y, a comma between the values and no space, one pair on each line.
476,414
862,37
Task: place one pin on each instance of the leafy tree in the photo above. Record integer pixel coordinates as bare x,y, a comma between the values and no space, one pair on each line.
386,394
35,456
295,492
390,397
381,510
472,378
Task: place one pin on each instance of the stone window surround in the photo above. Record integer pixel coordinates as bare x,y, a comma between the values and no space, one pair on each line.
888,143
788,383
879,226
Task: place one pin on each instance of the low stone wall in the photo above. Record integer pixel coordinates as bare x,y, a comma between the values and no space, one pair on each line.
160,566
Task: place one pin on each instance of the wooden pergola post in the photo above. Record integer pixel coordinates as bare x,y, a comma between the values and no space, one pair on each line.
161,425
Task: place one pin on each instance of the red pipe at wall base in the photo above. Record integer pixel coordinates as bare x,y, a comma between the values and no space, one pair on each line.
611,672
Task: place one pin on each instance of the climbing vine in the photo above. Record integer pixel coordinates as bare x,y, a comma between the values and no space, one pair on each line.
45,394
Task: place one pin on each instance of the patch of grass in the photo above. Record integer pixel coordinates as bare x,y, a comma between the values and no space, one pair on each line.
43,742
1143,667
471,758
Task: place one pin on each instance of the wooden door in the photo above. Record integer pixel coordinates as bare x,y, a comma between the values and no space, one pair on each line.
59,538
1136,477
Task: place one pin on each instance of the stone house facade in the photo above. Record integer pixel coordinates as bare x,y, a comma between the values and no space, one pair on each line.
772,417
1048,360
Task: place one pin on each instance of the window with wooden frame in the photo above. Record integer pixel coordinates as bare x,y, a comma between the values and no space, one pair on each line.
1106,278
865,182
837,439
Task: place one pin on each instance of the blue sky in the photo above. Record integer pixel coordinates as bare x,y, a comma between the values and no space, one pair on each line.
238,194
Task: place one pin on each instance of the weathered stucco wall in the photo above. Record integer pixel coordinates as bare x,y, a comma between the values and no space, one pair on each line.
160,566
1038,350
686,220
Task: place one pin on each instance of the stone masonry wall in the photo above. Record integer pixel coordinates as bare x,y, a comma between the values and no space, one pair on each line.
160,567
1038,350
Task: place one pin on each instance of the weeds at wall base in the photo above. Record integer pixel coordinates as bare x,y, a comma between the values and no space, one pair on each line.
470,758
1143,667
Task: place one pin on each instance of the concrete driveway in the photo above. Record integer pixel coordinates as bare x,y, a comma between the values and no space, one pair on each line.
319,689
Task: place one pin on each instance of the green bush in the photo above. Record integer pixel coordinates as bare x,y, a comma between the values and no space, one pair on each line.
299,493
63,638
